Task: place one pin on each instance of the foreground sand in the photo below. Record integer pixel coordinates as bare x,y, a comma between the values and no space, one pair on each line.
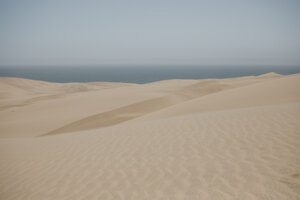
233,138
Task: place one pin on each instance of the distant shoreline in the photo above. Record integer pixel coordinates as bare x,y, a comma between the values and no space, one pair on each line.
136,75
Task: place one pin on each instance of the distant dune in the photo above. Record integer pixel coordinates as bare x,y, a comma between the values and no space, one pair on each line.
236,138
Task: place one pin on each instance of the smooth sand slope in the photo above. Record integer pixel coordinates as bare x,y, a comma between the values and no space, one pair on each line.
235,138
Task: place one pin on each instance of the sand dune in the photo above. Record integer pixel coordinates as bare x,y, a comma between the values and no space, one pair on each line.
280,91
142,108
85,109
234,138
182,93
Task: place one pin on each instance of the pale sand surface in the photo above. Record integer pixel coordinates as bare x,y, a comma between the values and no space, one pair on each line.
235,138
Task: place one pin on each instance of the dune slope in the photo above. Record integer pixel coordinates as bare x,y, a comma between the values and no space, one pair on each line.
283,90
242,154
179,139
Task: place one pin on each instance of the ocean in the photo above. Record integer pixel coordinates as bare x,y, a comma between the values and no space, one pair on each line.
136,74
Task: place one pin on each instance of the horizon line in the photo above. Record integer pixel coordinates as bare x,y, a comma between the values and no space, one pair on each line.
152,65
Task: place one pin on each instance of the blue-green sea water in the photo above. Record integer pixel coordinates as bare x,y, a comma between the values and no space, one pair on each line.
136,74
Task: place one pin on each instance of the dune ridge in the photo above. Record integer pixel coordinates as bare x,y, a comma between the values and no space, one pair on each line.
234,138
80,110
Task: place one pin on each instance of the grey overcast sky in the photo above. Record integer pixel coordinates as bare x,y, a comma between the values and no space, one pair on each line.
152,32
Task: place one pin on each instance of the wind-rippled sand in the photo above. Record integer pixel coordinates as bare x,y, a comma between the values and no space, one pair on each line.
235,138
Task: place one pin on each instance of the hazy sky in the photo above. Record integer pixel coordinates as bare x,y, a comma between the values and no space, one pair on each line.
212,32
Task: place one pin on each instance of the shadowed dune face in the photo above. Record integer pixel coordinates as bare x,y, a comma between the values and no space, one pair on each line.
177,139
142,108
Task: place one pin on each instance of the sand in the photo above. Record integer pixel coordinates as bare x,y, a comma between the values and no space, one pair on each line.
236,138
